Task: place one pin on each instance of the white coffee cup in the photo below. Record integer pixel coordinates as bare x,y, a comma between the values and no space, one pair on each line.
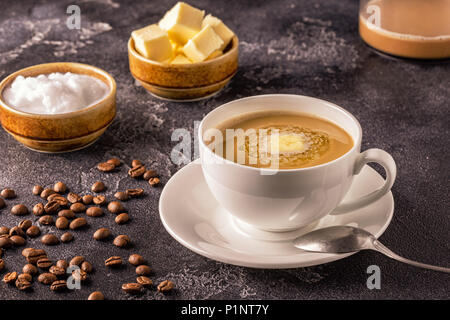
283,200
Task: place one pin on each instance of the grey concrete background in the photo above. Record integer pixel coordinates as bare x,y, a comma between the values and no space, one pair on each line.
298,47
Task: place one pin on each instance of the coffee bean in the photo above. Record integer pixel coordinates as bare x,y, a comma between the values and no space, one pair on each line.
136,163
78,207
18,241
16,231
4,230
10,277
73,197
102,234
38,209
47,278
62,264
96,295
132,288
100,200
122,218
26,252
79,275
2,264
25,224
63,202
94,212
154,182
115,207
25,276
166,286
86,267
143,270
137,172
98,187
87,199
122,196
19,210
76,261
115,161
44,263
144,281
57,271
78,223
62,223
136,259
37,190
122,241
30,269
33,231
46,192
51,207
60,187
67,213
23,284
134,193
150,174
49,239
46,220
106,167
114,261
34,255
2,203
5,242
66,237
8,193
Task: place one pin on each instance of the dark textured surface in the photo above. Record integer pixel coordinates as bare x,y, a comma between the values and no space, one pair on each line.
303,47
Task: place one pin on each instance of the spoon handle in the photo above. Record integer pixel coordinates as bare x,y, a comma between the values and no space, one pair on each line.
378,246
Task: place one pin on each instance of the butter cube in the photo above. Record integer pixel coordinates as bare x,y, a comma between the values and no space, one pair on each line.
215,54
153,43
182,22
180,59
220,28
202,45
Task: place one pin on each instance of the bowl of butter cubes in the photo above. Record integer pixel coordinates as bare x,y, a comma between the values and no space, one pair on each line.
186,56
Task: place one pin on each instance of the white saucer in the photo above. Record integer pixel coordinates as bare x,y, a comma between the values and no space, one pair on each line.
191,215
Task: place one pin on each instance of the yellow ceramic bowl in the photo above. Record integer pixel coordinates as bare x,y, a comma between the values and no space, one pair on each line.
184,82
64,132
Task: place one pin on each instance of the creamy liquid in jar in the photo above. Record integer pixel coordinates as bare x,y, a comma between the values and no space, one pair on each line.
408,28
54,93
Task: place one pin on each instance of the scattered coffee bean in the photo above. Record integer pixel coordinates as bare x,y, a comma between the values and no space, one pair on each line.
136,259
37,190
46,220
102,234
19,210
44,263
76,261
25,276
51,207
79,275
67,213
166,286
122,196
4,230
33,231
62,223
25,224
73,197
137,172
154,182
132,288
96,295
10,277
78,223
8,193
49,239
122,241
144,281
18,241
66,237
94,212
34,255
30,269
122,218
87,199
114,161
150,174
5,242
134,193
143,270
26,252
38,209
115,207
63,202
16,231
2,203
100,200
114,261
98,187
47,278
57,271
136,163
60,187
22,284
58,285
86,267
106,167
46,192
78,207
2,264
62,264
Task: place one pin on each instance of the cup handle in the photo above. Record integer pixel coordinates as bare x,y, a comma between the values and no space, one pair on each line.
388,163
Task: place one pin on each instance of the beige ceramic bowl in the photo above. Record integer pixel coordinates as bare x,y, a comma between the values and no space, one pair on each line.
59,132
184,82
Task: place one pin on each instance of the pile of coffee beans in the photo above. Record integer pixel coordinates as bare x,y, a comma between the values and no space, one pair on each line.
61,211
